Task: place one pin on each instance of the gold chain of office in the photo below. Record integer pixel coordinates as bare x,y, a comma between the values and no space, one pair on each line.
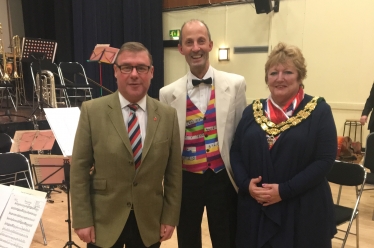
274,129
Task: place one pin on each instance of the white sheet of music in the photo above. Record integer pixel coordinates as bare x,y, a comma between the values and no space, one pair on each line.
64,123
5,192
21,217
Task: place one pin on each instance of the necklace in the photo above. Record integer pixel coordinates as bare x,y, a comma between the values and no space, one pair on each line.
273,129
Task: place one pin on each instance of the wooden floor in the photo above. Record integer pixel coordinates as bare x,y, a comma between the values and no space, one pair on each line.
56,228
21,114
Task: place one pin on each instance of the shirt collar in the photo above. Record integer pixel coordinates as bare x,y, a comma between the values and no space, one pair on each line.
190,76
124,102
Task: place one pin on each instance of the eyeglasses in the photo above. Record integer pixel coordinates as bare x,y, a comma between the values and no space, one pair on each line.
126,69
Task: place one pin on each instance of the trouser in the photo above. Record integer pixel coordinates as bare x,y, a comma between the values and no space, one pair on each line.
130,236
215,192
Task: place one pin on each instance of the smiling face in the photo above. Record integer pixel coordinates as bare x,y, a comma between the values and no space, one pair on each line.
195,46
283,82
133,86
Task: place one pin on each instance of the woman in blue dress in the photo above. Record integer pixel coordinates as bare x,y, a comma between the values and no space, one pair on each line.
283,148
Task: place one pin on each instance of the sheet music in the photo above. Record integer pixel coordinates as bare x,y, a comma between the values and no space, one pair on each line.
21,217
64,123
32,140
5,192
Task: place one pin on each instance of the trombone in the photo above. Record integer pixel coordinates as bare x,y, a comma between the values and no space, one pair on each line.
2,50
16,53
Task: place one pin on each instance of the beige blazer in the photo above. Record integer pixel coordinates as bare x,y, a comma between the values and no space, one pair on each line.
230,103
105,197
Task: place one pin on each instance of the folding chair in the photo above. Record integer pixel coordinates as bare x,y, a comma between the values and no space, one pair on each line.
369,162
15,170
5,87
75,80
5,143
6,93
348,174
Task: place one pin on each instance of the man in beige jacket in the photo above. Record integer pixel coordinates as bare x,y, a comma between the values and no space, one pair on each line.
121,202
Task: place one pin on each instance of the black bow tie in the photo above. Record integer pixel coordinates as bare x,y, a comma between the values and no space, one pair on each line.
196,82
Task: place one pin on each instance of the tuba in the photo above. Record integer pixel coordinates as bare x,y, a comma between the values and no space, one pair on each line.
48,87
2,50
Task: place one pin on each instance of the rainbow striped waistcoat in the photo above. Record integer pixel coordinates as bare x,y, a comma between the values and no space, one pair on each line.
201,151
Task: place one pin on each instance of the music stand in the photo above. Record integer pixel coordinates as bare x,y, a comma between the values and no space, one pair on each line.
48,172
37,50
66,182
103,53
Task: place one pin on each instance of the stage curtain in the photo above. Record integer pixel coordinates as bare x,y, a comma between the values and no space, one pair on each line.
78,25
50,20
116,22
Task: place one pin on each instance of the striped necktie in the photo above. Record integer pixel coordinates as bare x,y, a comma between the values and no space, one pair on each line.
134,134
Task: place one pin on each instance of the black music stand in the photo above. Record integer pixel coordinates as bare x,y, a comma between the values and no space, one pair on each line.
36,50
47,187
66,182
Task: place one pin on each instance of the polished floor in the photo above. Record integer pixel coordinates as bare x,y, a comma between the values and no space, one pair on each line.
56,228
13,113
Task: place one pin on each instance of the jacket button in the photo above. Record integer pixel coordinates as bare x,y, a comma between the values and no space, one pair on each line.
135,183
129,204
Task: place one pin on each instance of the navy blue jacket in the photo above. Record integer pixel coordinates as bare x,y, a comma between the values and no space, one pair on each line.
298,162
369,105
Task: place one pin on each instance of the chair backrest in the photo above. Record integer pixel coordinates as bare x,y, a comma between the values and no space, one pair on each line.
369,153
347,174
5,142
15,170
48,66
74,73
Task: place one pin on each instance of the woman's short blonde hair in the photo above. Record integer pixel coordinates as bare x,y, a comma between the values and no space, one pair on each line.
284,54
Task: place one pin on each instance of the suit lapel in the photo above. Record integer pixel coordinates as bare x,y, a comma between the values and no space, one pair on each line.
116,117
180,104
153,119
222,104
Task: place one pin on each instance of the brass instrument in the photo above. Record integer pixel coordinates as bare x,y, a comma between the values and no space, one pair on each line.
48,87
2,50
16,53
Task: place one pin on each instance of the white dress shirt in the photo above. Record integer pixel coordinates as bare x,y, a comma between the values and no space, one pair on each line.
200,94
141,114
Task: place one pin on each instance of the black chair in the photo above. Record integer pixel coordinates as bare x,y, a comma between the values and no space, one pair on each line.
15,170
50,71
75,80
5,143
369,163
348,174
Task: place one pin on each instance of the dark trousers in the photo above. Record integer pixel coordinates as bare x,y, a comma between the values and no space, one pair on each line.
215,192
130,236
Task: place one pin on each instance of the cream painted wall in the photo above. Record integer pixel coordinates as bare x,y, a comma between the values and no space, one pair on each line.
336,37
5,24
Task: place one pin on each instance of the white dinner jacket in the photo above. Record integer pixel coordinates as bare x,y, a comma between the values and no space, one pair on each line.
230,101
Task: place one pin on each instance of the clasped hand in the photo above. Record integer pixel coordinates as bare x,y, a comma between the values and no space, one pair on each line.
265,195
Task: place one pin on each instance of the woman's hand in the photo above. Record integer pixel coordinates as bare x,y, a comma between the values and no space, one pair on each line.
273,191
266,195
363,119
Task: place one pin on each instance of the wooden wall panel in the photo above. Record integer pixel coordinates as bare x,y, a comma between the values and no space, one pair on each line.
169,4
